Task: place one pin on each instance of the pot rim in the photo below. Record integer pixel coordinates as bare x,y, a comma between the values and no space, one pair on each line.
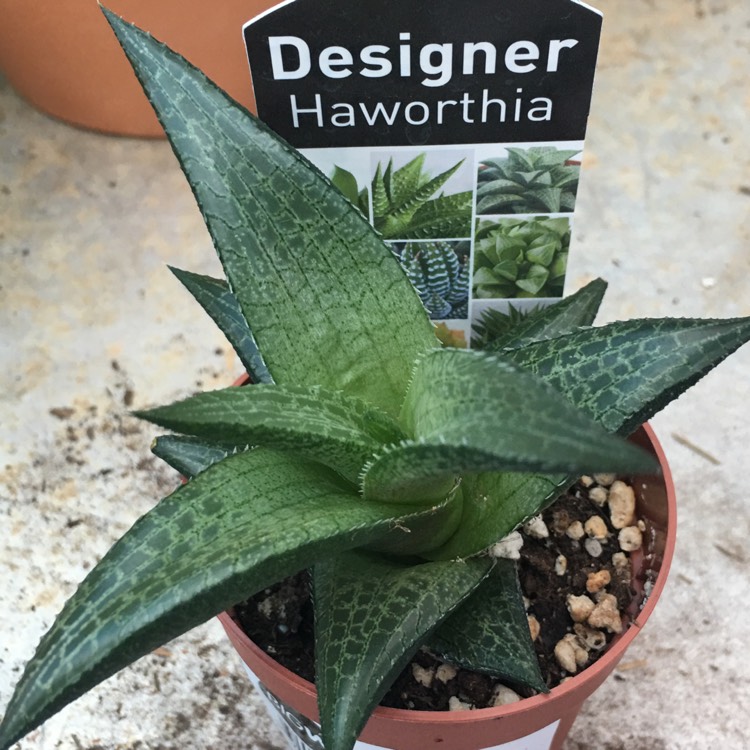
563,693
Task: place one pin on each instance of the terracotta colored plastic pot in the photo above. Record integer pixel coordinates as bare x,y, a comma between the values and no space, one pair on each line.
64,59
539,723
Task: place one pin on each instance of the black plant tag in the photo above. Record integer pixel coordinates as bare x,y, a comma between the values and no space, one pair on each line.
456,127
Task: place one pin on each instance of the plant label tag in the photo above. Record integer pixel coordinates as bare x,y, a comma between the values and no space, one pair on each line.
457,129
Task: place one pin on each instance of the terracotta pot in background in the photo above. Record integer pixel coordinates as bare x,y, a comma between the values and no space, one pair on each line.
539,723
64,59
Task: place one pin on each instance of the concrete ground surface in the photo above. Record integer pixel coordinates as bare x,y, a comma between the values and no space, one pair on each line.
92,322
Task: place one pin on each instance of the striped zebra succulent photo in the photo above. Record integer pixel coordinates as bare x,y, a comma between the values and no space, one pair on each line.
440,273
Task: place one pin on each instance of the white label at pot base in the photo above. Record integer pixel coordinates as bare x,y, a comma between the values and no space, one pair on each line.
302,733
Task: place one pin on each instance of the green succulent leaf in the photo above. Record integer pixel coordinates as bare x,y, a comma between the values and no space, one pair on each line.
625,372
313,422
489,632
346,182
271,213
496,330
403,206
217,300
529,428
190,456
444,216
244,523
496,503
371,616
621,374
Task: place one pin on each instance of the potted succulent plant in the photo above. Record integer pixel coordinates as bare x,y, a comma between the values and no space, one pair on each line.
366,452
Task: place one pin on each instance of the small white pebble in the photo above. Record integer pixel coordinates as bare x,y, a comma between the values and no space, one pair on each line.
590,638
446,672
422,675
586,481
621,504
621,563
641,524
502,696
598,495
606,614
579,607
595,527
508,547
534,627
605,479
630,538
575,530
593,547
566,656
536,528
708,282
580,655
597,581
561,565
455,704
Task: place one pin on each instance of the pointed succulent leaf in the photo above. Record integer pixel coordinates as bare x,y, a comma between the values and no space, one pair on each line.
214,296
472,412
313,422
625,372
346,182
190,456
371,616
242,524
446,216
490,633
498,331
380,199
350,321
496,503
621,374
406,180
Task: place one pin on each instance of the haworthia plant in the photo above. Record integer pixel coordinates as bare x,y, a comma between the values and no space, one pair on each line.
346,182
370,454
541,179
405,206
520,258
440,273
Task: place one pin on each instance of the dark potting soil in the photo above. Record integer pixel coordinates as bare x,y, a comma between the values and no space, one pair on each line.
280,619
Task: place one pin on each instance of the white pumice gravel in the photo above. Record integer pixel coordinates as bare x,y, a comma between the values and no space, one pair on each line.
575,530
502,695
536,528
534,627
630,538
570,654
596,528
445,672
590,638
586,480
606,614
580,607
598,580
456,704
599,495
509,547
605,480
621,504
566,656
561,565
423,675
